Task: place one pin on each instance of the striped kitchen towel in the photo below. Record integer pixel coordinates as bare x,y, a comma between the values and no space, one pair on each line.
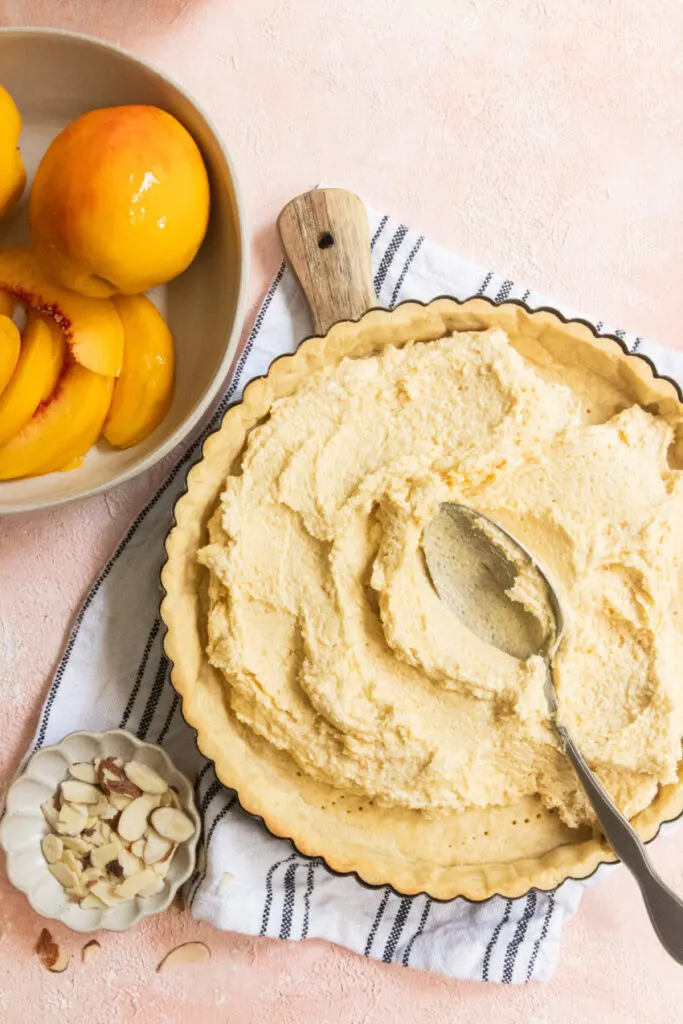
114,673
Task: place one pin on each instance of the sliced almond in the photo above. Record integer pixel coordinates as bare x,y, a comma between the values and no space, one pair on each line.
111,813
161,867
119,801
50,813
153,888
98,835
52,848
130,863
72,862
156,847
133,820
100,809
71,820
90,949
225,882
49,954
113,780
78,893
64,875
105,892
84,771
102,855
138,847
188,953
91,902
80,792
172,824
144,777
76,844
91,875
132,886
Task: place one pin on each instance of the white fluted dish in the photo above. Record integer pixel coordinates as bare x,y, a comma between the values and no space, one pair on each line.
24,826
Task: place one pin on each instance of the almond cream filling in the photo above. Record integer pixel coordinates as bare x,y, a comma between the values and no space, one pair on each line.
332,641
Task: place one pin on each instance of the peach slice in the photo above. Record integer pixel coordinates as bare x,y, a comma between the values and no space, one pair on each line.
35,377
63,429
92,326
143,391
10,344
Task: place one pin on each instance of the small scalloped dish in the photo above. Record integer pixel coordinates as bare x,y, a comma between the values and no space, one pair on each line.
24,826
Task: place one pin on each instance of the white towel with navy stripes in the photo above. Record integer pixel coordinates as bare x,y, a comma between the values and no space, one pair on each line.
114,673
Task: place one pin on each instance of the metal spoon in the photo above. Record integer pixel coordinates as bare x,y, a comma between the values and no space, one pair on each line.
471,565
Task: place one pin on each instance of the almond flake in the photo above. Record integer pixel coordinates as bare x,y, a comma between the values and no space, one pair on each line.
138,847
133,885
52,848
161,867
153,888
172,824
71,861
156,848
188,953
133,820
105,892
90,949
91,875
91,902
50,813
100,809
119,801
130,863
76,792
48,952
84,771
102,855
77,894
71,820
225,882
144,777
76,844
64,875
113,779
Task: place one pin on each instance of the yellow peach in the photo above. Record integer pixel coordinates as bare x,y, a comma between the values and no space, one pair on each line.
10,344
35,377
63,429
92,327
120,201
143,391
12,173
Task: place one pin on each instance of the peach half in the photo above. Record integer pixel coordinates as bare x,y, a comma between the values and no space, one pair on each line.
10,345
35,377
143,391
62,429
92,326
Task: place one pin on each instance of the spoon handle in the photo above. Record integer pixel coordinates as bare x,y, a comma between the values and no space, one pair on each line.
663,905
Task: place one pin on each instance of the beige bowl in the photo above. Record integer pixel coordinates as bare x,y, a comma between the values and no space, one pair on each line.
54,77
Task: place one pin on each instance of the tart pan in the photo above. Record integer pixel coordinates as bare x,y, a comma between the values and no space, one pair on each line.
477,853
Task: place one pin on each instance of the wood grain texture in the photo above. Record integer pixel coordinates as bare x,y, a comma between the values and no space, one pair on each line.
327,243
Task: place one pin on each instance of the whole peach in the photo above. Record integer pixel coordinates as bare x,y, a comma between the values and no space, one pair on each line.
120,201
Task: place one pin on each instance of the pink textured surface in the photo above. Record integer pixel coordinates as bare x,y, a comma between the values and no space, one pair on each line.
543,139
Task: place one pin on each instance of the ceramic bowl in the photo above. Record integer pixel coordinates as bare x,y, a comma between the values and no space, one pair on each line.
24,826
54,77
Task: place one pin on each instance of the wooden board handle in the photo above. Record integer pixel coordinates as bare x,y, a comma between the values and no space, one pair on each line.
327,243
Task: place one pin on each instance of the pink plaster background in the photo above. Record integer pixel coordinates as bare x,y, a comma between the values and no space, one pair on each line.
541,138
